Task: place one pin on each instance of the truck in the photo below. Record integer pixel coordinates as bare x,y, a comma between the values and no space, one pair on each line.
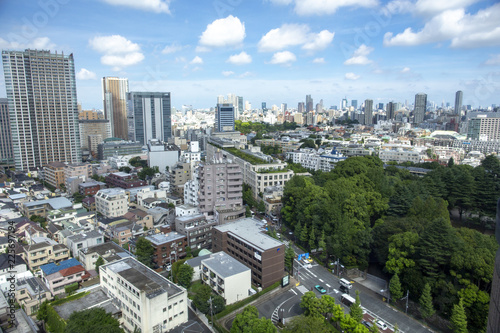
345,283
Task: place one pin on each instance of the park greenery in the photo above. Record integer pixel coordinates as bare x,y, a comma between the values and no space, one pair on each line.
248,321
247,127
364,213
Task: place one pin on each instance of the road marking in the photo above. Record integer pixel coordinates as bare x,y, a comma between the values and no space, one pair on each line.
293,291
321,280
302,289
328,285
336,291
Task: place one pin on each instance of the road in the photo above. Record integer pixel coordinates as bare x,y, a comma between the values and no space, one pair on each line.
309,275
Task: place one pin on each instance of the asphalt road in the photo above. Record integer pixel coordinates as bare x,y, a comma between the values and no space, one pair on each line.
287,304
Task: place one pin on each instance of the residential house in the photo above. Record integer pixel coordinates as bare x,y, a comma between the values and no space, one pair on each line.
109,252
84,240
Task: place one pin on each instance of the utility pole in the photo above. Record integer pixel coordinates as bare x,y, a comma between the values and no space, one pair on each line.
211,311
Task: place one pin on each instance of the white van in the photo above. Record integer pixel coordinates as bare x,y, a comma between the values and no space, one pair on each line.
345,283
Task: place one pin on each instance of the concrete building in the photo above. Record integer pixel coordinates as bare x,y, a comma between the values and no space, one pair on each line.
108,251
90,188
420,108
459,95
197,229
314,159
54,174
224,118
149,116
84,240
226,276
57,277
150,194
368,112
114,93
179,175
31,292
401,155
6,152
93,132
124,180
111,202
244,241
168,248
484,127
43,253
41,207
44,129
162,155
148,300
74,171
113,146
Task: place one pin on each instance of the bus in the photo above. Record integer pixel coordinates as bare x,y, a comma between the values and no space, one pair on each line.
347,300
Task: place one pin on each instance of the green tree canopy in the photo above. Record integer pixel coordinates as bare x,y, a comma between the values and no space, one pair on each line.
92,320
99,262
395,287
458,318
184,275
425,302
144,251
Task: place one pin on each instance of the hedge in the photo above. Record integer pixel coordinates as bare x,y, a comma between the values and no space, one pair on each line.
69,298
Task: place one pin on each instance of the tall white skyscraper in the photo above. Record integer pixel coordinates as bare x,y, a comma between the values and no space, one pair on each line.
41,93
114,96
458,102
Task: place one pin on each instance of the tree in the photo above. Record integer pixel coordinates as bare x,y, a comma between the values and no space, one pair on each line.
92,320
304,324
184,275
458,319
289,257
218,304
99,262
303,235
311,304
261,207
248,212
451,162
42,311
144,251
355,310
125,169
425,301
78,197
248,321
312,239
201,298
395,287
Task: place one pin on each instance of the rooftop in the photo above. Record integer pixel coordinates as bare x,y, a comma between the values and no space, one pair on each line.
110,251
159,239
84,236
224,265
54,268
250,230
55,203
143,278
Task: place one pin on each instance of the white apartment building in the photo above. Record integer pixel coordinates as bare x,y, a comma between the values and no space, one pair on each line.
149,193
148,301
111,202
226,276
186,210
401,155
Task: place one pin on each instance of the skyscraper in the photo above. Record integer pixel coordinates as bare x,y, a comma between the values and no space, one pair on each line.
309,103
149,116
420,107
240,107
458,102
391,110
6,154
264,107
224,118
354,104
369,112
114,95
343,104
41,93
300,107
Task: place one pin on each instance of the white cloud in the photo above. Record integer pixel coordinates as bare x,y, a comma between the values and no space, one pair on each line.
228,31
117,51
320,41
283,58
351,76
432,7
227,73
85,74
201,49
157,6
280,2
326,7
494,60
40,43
283,37
246,74
360,56
172,48
319,61
196,60
463,30
240,59
405,70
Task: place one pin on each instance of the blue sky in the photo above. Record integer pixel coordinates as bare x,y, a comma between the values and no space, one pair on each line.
273,51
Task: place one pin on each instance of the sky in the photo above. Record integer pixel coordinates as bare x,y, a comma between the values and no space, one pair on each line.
273,51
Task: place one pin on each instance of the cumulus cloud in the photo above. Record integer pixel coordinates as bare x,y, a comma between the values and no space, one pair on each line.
227,73
292,35
228,31
157,6
319,61
462,29
40,43
117,51
405,70
173,48
351,76
281,2
360,56
196,60
283,58
320,41
327,7
85,74
432,7
240,59
494,60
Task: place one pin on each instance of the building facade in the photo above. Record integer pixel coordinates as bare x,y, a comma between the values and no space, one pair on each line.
41,91
54,174
369,112
114,93
111,202
149,116
168,248
420,108
197,229
224,118
6,153
484,127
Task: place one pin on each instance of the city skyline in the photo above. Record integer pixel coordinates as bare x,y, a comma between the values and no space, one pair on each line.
379,50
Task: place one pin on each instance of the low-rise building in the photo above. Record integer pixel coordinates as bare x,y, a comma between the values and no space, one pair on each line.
111,202
197,230
148,300
31,292
15,267
168,248
90,188
84,240
108,251
124,180
54,173
41,207
227,277
43,253
159,195
57,277
245,241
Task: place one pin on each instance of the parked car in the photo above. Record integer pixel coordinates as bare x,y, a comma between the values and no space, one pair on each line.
367,324
383,326
320,289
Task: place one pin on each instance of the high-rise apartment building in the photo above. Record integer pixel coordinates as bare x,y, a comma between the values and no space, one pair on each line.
420,107
224,118
6,153
240,107
114,95
458,102
369,112
309,103
43,110
484,127
301,107
354,104
149,115
391,110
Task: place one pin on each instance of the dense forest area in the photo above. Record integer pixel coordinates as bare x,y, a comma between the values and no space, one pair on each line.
363,213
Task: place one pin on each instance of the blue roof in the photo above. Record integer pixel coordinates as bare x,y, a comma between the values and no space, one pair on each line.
54,268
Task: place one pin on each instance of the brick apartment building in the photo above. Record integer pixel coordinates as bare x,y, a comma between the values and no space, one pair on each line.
90,188
124,180
245,241
168,247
